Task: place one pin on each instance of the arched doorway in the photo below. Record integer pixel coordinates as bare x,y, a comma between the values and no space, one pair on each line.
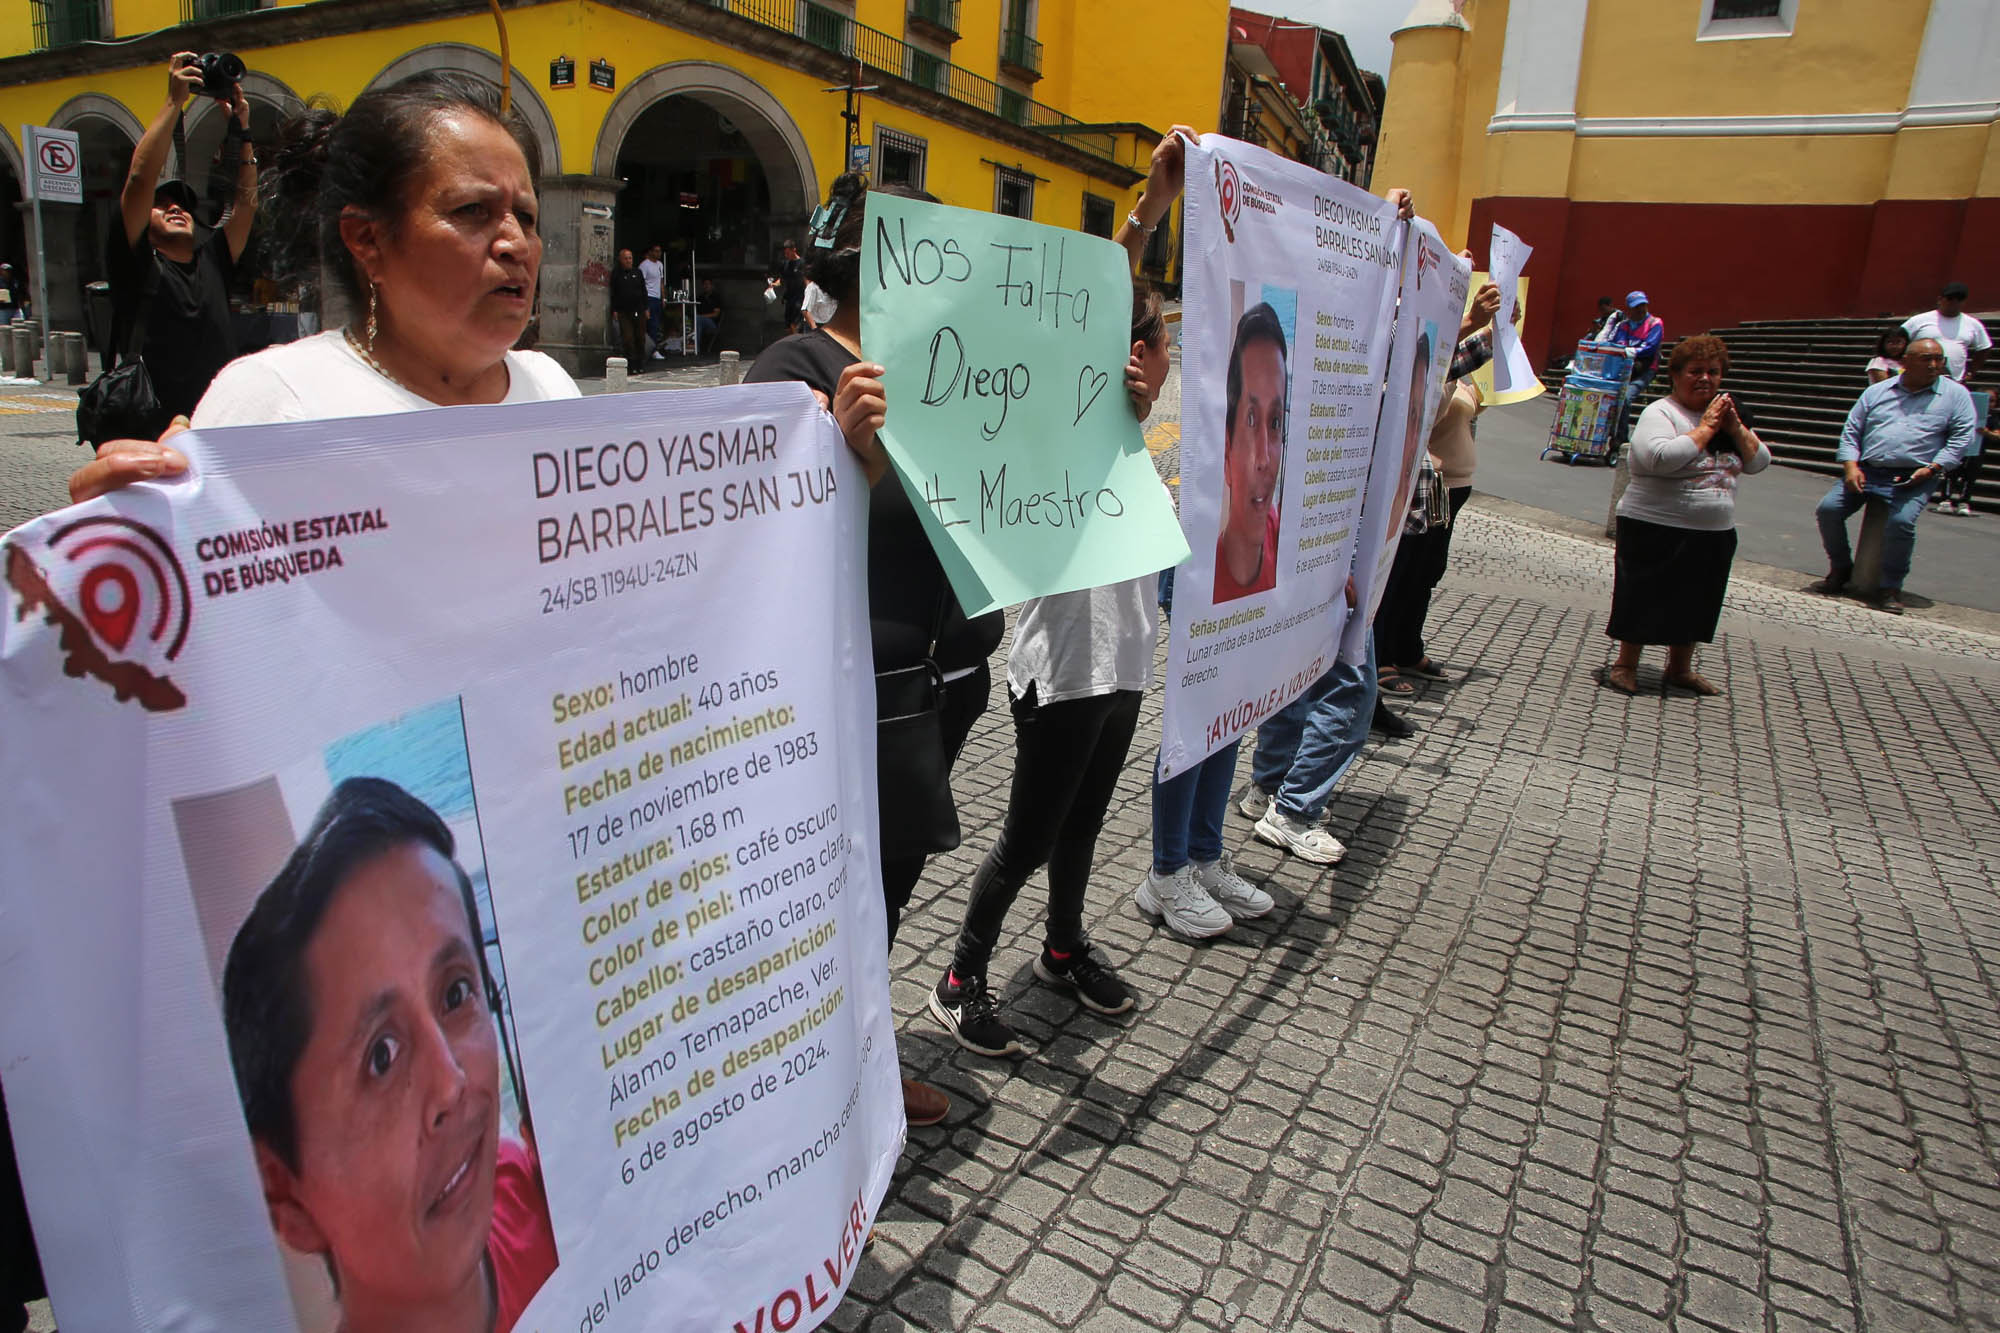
716,172
14,238
107,132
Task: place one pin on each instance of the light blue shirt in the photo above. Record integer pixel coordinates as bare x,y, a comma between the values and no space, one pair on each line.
1889,426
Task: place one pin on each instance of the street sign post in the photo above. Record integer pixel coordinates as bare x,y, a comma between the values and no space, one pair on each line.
55,172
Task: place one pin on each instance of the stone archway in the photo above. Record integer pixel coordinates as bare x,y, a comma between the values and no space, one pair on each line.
271,102
108,133
476,60
714,169
762,119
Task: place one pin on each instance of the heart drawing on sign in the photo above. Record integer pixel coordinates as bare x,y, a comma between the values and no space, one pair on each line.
1089,383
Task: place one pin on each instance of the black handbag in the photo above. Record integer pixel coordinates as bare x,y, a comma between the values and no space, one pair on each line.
120,404
912,768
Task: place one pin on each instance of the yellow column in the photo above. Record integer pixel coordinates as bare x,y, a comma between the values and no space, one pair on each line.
1420,146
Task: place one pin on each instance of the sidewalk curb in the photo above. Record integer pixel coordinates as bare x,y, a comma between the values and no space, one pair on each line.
1773,576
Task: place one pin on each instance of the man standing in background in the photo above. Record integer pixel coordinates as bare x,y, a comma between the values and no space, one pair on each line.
655,274
1964,338
628,304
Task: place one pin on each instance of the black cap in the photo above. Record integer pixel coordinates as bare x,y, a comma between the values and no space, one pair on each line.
179,191
1955,291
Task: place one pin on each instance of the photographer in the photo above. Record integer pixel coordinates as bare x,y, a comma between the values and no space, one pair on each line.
169,282
1677,520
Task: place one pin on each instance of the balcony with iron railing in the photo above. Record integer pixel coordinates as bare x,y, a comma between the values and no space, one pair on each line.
195,11
831,30
67,22
1021,54
935,19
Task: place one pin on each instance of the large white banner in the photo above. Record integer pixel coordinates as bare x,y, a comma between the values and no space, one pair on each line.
441,883
1434,286
1290,277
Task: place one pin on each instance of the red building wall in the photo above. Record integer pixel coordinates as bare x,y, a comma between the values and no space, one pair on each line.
1710,265
1290,44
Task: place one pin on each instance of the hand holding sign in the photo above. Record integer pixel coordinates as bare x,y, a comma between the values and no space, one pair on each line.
1000,339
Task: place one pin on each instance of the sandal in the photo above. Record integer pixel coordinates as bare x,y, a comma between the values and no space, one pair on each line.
1391,683
1610,678
1695,683
1425,670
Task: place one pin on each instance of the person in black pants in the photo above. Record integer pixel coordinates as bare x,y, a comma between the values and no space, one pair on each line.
913,613
628,303
20,1267
1081,663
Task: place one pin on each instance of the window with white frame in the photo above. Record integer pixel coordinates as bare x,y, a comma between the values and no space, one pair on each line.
899,158
1723,20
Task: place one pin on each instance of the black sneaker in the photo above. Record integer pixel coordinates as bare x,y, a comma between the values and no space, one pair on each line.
1832,585
1095,984
969,1014
1393,725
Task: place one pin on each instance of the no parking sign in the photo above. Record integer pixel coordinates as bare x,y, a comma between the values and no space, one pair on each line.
55,165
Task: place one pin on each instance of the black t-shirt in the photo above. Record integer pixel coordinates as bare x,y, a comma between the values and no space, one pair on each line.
792,286
187,337
906,584
628,291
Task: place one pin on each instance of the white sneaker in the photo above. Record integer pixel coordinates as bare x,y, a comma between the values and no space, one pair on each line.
1232,893
1307,841
1182,905
1962,509
1254,803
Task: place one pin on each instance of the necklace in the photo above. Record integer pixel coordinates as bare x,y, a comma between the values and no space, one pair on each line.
377,366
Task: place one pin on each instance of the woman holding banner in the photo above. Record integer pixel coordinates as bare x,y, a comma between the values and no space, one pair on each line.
915,620
1080,665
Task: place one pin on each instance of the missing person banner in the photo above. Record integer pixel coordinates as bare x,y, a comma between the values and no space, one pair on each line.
442,884
1287,290
1005,343
1433,294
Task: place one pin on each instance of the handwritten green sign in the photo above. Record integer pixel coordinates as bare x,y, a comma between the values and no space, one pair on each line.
1005,344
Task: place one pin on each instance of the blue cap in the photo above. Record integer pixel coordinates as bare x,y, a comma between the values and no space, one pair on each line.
1634,298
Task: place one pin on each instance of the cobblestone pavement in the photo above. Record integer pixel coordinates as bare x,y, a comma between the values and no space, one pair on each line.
1621,1013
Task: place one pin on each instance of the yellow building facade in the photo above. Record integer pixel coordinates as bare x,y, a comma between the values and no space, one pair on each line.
706,126
1734,159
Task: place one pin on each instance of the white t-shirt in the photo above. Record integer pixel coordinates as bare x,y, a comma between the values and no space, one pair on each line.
654,272
321,377
1960,334
1076,645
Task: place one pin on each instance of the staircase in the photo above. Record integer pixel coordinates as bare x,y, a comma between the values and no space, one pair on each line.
1799,377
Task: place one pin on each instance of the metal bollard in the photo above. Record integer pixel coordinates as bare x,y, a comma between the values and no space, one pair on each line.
615,377
8,363
36,346
1621,477
76,358
729,369
23,339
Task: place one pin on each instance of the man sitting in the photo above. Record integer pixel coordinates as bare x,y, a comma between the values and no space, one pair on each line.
1900,437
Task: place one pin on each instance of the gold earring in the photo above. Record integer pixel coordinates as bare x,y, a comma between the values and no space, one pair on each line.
372,329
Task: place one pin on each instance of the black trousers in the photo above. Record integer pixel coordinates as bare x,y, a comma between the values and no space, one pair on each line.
1406,598
1067,758
20,1269
1958,483
964,700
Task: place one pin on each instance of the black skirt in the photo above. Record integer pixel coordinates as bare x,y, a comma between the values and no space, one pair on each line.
1669,582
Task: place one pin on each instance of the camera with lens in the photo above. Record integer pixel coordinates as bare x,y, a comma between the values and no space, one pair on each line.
221,71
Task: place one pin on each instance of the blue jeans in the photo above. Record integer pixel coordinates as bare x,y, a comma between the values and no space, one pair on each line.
655,310
1305,749
1899,534
1188,810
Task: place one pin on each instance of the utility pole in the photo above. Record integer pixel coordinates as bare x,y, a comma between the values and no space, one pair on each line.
853,88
